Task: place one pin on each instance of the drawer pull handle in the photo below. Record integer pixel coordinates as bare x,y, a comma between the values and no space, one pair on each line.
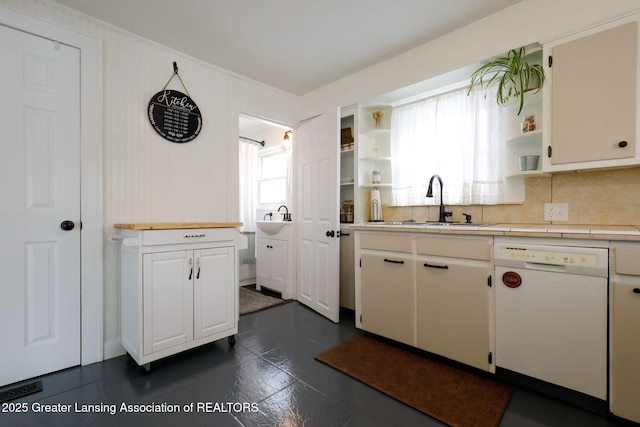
393,261
191,236
443,267
636,290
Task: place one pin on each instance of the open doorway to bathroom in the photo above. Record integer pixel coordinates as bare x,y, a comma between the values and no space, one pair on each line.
265,184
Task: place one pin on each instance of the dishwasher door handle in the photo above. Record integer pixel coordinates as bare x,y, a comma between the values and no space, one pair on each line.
545,267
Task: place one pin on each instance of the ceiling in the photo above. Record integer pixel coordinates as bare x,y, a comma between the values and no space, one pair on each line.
293,45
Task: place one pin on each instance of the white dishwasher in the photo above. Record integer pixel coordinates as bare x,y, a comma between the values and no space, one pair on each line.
551,312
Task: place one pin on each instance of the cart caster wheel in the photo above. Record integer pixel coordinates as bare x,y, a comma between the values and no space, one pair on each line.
231,340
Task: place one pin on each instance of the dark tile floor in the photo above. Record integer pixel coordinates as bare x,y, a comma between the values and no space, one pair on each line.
270,378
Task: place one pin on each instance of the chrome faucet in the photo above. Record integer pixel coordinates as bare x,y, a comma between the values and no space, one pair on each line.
287,215
442,217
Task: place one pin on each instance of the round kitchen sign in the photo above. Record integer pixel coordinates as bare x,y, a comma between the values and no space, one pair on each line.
175,116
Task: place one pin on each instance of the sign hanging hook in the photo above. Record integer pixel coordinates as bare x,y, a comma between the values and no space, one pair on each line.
175,73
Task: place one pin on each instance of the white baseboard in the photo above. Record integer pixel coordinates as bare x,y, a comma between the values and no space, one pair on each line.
113,349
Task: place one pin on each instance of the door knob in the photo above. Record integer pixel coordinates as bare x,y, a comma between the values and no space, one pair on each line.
67,225
330,233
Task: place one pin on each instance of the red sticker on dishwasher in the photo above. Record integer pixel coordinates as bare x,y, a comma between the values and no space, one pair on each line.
511,279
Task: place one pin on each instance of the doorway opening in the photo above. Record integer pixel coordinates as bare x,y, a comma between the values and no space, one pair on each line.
265,181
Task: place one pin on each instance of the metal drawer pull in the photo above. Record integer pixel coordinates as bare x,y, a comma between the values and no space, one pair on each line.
393,261
443,267
636,290
190,236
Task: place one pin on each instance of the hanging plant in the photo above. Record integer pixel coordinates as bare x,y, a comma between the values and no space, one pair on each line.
512,75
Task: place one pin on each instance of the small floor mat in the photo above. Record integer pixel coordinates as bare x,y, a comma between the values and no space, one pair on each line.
252,301
451,395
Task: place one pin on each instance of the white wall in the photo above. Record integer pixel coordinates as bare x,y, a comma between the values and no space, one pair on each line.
147,178
525,23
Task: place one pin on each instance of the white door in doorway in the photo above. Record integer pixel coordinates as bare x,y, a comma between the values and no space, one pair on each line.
39,190
318,216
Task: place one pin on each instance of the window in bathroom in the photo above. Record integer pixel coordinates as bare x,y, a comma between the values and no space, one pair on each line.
273,183
453,135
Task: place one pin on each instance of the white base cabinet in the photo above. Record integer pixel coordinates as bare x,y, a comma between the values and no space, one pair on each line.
272,269
624,390
275,260
178,290
429,291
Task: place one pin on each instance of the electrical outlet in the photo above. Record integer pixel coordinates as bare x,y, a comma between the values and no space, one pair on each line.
556,212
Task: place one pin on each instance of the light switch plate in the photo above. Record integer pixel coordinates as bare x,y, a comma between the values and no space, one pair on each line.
556,212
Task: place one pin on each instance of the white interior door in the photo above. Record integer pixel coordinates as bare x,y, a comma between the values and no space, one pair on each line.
318,226
39,189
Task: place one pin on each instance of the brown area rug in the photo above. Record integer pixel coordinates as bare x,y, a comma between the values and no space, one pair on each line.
451,395
252,301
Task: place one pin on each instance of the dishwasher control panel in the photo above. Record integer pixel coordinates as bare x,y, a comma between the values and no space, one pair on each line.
528,254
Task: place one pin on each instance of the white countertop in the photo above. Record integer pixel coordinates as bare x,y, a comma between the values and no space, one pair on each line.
586,231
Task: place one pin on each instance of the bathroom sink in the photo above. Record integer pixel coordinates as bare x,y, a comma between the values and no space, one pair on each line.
272,227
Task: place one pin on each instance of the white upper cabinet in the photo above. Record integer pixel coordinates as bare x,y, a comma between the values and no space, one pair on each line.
591,97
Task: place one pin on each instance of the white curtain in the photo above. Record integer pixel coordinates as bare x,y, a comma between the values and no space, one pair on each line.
455,136
248,185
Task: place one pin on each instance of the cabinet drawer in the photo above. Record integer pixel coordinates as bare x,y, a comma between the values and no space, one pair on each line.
455,246
387,242
628,260
187,235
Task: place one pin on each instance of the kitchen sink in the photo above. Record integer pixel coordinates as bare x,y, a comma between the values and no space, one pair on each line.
272,227
436,223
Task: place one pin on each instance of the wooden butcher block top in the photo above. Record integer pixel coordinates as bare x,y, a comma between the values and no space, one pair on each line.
174,225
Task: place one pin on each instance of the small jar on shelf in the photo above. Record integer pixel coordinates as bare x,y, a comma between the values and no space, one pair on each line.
528,124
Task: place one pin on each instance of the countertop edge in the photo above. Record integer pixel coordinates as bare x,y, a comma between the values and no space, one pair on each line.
587,232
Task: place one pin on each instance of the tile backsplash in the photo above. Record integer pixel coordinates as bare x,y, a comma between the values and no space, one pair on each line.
610,197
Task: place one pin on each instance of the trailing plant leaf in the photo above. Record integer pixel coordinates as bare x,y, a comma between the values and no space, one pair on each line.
512,74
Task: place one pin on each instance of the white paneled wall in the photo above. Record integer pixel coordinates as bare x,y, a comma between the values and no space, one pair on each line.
146,178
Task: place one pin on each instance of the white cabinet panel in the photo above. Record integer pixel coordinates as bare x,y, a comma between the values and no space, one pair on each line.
452,313
387,296
591,98
214,300
168,300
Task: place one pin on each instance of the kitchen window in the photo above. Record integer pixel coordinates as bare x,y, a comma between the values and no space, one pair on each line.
451,134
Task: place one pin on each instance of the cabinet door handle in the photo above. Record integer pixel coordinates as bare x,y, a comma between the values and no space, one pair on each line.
198,264
636,290
190,268
443,267
393,261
